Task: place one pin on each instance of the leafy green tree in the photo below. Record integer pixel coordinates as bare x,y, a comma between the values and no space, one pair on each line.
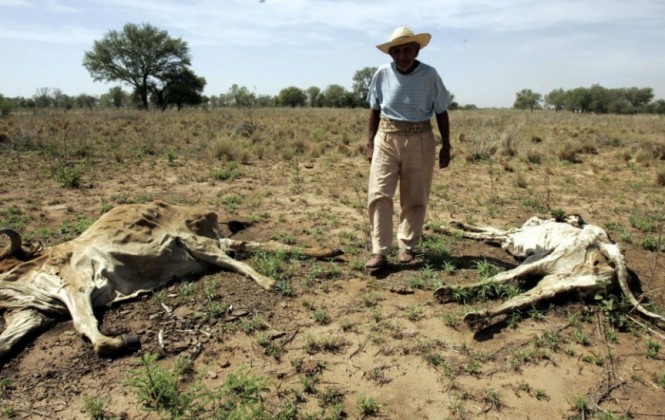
6,105
556,99
292,96
657,107
140,55
638,98
119,97
527,99
86,101
42,98
240,97
578,100
178,88
361,81
265,101
314,98
336,96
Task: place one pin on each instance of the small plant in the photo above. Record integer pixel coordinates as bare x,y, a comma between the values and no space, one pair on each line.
329,344
243,396
493,399
378,375
69,177
367,406
581,337
541,395
653,348
371,299
661,380
415,313
94,406
581,406
330,396
186,289
158,388
434,359
321,317
486,269
228,173
653,244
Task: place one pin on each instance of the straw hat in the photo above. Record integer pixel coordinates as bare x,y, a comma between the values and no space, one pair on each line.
404,35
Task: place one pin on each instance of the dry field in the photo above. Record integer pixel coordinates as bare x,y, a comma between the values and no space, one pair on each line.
333,340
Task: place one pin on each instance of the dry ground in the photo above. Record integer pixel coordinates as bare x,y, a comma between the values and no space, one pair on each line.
334,333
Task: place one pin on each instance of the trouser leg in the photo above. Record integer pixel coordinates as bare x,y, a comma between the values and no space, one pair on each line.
418,159
383,177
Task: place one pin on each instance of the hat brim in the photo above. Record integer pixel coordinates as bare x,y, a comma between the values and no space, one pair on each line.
420,39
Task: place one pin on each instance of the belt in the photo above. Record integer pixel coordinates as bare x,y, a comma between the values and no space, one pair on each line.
393,126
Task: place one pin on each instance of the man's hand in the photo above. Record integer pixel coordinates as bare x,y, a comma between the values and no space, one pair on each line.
444,157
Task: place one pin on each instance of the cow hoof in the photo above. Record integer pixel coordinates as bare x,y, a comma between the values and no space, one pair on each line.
444,294
132,342
475,320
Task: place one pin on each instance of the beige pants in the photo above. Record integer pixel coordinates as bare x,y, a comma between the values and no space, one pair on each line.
408,158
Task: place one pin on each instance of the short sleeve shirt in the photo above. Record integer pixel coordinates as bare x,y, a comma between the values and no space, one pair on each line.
414,97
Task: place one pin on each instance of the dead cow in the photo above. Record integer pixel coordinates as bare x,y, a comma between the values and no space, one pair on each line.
130,250
567,255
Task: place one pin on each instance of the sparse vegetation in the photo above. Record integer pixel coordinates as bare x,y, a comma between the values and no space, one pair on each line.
375,330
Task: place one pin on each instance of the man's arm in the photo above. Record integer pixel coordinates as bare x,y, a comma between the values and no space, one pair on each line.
443,122
372,128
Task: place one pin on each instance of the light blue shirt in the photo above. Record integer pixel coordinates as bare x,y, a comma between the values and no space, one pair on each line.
414,97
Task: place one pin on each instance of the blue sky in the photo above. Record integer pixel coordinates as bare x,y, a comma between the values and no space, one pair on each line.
486,51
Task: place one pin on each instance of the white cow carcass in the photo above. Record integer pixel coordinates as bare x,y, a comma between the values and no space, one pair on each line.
566,256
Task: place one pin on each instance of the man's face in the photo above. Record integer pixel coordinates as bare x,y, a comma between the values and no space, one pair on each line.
404,55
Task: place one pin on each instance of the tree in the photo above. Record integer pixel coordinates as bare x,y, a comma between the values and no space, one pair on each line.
119,97
527,99
42,98
140,55
335,96
179,88
361,81
556,99
240,96
578,100
86,101
6,105
638,98
314,98
292,96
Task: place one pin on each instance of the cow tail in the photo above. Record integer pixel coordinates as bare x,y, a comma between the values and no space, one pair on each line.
613,253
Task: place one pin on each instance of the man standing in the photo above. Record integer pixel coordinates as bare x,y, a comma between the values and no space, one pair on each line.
403,96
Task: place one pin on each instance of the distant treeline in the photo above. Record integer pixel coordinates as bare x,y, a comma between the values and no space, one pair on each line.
596,99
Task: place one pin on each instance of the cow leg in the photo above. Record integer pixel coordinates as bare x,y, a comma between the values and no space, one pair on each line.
445,294
547,288
228,244
18,323
85,323
490,234
208,250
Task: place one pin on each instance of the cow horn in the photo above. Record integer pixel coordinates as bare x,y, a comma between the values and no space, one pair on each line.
613,253
15,242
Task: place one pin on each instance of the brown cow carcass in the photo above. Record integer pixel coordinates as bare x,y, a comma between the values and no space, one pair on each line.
566,256
130,250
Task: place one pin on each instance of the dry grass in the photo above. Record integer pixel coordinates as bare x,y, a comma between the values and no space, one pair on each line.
301,176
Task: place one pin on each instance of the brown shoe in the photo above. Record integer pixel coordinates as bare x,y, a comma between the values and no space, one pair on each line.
405,256
377,261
